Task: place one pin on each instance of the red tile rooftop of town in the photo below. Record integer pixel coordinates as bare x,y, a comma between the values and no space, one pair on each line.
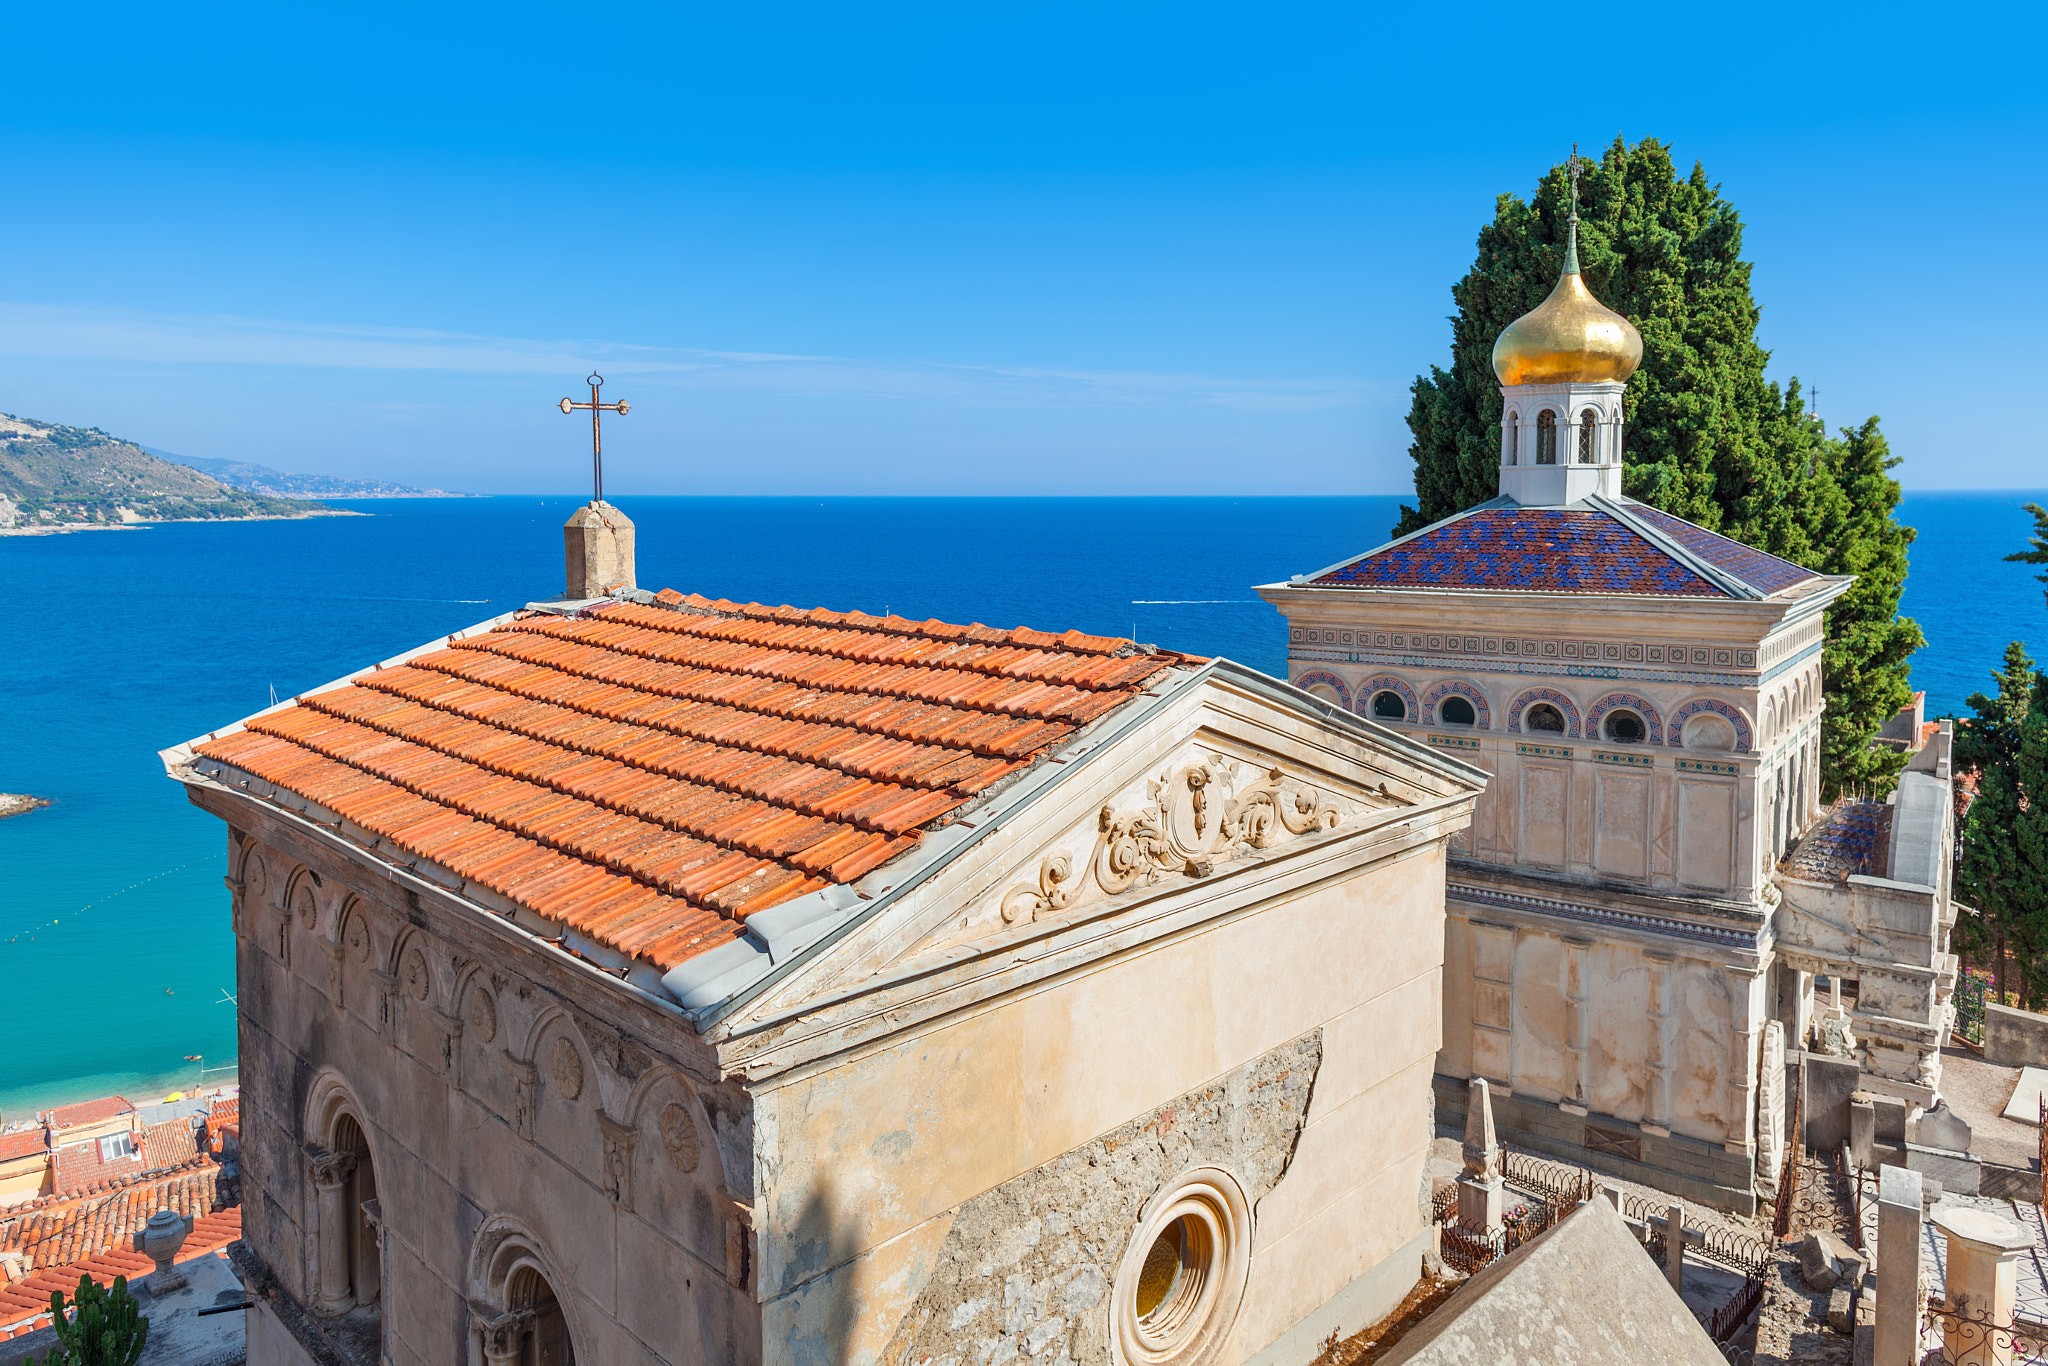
88,1112
652,775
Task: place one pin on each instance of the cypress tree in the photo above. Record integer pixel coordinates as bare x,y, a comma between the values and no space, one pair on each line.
1987,744
1709,438
2038,554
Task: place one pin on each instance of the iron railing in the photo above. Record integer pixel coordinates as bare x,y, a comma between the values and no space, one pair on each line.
1968,1340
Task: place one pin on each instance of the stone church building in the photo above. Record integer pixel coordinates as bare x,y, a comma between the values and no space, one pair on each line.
1650,884
638,977
644,978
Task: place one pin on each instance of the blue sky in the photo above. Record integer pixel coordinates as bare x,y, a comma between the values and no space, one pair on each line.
958,248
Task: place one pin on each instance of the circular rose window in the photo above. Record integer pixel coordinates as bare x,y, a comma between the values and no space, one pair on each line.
1183,1276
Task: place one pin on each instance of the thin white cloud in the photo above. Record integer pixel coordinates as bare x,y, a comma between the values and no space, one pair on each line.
81,332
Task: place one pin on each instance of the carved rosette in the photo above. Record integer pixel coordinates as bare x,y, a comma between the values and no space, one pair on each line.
1192,825
679,1138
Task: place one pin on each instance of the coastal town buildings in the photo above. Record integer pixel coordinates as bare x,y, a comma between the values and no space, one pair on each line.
651,978
1650,883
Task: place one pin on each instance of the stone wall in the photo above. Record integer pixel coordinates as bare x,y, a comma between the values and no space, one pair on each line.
515,1112
2014,1038
991,1169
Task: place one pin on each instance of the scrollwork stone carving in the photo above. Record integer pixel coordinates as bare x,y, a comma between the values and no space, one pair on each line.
1191,826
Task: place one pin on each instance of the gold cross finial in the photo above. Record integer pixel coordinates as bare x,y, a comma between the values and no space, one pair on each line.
1573,164
596,382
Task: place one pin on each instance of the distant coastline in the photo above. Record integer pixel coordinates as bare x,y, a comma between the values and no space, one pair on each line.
60,528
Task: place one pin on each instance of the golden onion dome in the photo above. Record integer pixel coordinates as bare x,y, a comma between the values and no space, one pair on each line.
1569,338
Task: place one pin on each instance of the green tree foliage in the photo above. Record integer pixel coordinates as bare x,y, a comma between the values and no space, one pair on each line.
2039,553
105,1327
1709,438
2004,868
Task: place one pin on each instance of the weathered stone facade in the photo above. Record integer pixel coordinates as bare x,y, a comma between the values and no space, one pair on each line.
1186,978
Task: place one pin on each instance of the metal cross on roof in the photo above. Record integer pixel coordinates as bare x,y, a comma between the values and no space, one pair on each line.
596,382
1573,166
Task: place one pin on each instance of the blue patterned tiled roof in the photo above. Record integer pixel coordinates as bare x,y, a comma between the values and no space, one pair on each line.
1535,550
1765,573
1583,549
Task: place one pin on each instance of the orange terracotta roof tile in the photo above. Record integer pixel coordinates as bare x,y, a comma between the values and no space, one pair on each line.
652,775
27,1143
89,1112
96,1243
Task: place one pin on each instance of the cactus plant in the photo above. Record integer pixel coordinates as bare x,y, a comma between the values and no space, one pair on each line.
104,1329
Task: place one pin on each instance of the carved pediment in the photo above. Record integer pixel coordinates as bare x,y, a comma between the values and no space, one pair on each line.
1201,815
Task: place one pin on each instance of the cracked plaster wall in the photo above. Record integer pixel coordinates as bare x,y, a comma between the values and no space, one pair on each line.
1024,1272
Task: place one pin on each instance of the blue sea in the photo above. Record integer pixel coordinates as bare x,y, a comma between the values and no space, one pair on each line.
113,921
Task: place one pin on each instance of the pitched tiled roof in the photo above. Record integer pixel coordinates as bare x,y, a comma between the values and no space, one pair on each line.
1562,550
650,775
226,1110
80,1164
89,1112
1765,573
101,1249
168,1144
24,1144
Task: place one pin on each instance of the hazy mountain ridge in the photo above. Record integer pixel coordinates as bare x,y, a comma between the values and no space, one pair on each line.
253,478
54,476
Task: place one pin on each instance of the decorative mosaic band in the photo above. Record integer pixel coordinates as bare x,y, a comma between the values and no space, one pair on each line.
1451,742
1543,751
1617,652
1706,766
1602,915
1625,760
1527,667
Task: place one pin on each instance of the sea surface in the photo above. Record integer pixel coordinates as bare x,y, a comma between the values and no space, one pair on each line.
115,955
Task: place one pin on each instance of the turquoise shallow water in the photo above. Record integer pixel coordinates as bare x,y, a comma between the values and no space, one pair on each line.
114,947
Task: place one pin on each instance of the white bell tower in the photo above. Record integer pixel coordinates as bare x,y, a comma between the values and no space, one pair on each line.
1562,368
1560,442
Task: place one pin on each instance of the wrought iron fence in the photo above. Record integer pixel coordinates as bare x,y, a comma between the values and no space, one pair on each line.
1973,985
1795,1149
1967,1340
1557,1188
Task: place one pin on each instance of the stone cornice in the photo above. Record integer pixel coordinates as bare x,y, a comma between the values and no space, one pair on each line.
1728,937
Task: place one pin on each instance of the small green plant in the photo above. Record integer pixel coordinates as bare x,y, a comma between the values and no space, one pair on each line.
104,1329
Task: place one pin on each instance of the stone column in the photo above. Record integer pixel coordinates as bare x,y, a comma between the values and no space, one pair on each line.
1742,1022
1897,1335
1983,1271
1659,1047
1770,1109
330,1188
1577,1024
1480,1188
503,1336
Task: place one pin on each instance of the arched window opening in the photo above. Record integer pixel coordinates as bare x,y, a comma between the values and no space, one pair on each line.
1586,426
1514,438
345,1184
1546,437
546,1341
1456,711
1624,728
1388,706
1543,717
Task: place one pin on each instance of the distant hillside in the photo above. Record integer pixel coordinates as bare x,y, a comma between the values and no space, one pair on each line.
263,479
53,476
